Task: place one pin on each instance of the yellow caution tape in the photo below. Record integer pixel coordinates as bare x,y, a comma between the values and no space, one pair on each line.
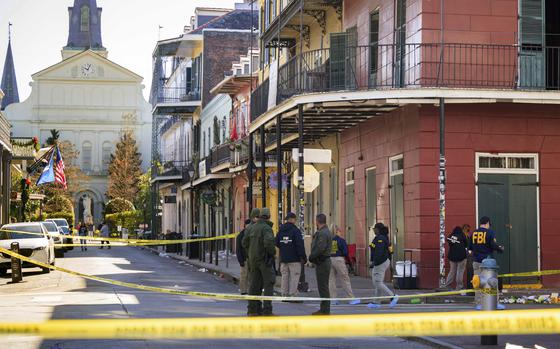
512,322
531,273
133,241
212,295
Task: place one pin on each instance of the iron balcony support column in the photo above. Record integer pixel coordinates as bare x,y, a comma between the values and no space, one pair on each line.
279,166
6,180
250,173
303,286
263,168
441,179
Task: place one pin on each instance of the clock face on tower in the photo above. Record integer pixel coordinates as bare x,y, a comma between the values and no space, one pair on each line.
87,70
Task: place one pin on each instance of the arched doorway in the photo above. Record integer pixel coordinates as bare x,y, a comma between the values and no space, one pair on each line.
88,207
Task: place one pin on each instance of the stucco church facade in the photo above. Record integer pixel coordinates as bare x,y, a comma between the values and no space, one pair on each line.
90,100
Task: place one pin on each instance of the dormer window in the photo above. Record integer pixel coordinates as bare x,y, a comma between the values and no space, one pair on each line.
84,19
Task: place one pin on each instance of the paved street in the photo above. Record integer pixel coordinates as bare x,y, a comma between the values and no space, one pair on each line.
62,296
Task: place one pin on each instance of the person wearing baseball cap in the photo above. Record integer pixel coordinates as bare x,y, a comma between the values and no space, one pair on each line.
482,245
289,241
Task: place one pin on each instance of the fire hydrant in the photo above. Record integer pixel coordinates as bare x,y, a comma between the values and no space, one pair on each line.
487,283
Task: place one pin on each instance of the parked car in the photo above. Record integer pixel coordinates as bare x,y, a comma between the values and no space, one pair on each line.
54,232
64,228
38,246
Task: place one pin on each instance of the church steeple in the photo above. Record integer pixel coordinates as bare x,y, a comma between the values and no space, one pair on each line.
84,30
9,82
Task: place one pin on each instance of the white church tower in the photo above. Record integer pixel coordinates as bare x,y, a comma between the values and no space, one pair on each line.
89,99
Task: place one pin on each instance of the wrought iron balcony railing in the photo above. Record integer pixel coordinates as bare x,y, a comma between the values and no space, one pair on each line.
397,66
177,95
221,154
172,169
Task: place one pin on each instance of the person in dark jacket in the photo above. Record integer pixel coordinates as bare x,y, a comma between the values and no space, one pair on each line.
241,258
482,244
339,270
381,250
457,256
289,241
321,256
83,231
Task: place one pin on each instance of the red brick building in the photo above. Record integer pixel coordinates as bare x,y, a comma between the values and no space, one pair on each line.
379,86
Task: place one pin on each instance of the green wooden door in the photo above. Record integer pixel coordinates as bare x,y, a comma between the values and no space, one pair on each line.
349,214
397,216
510,200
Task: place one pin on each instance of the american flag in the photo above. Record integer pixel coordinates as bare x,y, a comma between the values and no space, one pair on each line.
59,176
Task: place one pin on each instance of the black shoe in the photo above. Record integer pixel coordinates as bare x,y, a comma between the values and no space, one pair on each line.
86,248
320,313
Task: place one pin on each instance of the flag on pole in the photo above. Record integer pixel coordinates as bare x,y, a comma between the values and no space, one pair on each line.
59,176
47,176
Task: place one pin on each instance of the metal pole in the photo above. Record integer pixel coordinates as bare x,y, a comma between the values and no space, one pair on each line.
279,166
441,176
303,286
250,174
263,168
441,179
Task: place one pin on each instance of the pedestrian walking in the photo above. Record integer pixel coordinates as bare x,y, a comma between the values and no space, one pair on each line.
482,245
339,270
242,258
259,244
457,257
104,232
381,251
289,241
321,256
83,231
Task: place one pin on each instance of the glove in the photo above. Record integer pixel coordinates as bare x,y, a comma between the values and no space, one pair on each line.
242,264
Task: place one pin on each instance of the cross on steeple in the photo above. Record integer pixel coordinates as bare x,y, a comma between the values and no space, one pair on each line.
9,81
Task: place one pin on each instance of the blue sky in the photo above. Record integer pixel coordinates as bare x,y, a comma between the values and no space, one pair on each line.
129,29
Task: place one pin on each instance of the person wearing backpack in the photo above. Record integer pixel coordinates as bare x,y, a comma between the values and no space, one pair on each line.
289,241
457,257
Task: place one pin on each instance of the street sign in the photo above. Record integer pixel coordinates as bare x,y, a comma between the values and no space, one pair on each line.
311,178
315,156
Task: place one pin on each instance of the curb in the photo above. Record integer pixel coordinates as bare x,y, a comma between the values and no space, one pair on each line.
432,342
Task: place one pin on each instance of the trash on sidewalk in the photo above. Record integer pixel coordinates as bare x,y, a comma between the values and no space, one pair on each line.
203,270
164,255
513,346
541,299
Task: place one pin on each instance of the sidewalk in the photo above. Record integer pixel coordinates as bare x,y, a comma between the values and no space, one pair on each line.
229,269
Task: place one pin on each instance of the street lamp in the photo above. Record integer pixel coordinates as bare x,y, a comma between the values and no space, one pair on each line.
190,171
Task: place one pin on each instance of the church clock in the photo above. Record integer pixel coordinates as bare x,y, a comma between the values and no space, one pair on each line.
87,70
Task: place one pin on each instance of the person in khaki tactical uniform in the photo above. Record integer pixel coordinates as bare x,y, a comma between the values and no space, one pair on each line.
258,243
321,256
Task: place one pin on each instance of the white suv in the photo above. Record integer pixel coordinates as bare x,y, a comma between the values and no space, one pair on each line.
64,229
38,245
54,232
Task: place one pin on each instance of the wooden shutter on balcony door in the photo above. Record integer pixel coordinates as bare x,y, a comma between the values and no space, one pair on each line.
338,61
531,37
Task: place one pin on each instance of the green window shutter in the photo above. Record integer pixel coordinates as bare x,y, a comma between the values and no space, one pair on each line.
338,61
531,24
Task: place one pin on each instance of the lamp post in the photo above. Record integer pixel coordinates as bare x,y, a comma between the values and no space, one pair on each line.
190,171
